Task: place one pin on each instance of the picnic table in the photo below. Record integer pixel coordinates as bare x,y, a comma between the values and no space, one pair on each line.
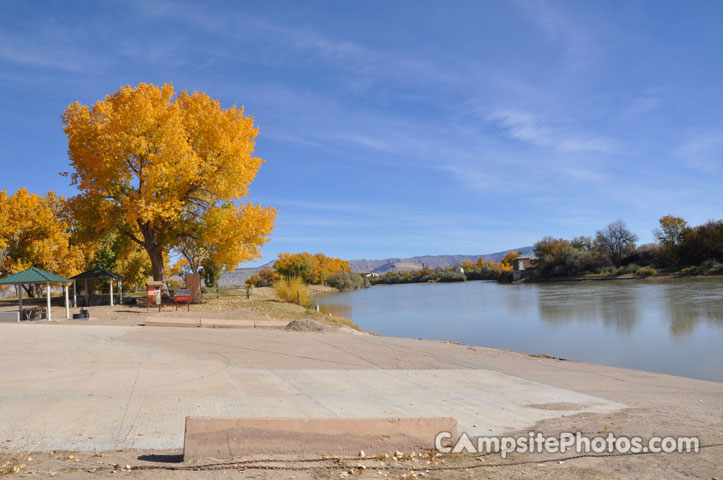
182,295
33,313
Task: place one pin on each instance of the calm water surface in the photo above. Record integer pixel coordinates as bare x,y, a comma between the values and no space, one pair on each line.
667,326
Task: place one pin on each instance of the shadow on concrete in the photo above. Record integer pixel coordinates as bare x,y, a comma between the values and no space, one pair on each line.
162,458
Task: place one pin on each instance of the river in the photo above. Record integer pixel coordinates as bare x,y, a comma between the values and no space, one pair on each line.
672,326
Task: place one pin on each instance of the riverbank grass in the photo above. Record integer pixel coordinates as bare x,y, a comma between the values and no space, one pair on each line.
266,302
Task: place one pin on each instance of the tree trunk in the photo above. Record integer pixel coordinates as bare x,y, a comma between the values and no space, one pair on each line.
157,265
155,251
156,255
33,290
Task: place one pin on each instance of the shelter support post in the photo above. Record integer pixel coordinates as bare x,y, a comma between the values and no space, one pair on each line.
49,312
120,291
19,289
87,302
67,303
75,296
111,292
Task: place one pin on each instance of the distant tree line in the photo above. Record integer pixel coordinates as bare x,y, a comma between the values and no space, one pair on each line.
425,275
480,270
613,251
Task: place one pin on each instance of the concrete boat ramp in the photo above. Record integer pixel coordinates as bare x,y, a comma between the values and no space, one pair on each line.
89,388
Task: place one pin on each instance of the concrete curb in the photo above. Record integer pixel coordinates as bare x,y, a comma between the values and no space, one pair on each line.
228,438
211,323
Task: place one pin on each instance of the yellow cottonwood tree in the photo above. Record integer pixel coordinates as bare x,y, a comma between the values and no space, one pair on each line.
310,268
33,233
163,168
506,262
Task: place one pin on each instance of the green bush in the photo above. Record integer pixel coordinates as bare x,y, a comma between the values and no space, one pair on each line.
624,270
702,243
211,273
347,281
557,257
425,275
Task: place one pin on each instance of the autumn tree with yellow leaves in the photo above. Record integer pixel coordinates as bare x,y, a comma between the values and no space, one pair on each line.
310,268
506,261
34,233
167,171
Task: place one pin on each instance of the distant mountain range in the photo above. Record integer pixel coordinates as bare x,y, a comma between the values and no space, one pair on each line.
240,275
431,261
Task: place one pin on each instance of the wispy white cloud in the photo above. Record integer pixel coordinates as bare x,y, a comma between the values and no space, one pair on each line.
466,155
642,104
703,151
55,51
479,179
343,207
561,27
587,175
530,128
279,44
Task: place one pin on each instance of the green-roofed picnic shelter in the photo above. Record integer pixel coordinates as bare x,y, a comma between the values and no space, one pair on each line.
35,275
97,274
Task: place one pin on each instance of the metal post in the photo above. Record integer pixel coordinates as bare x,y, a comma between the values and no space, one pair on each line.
20,301
75,296
67,303
50,313
120,291
111,292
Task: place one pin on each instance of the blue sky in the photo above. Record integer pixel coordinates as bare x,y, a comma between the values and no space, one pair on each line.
410,127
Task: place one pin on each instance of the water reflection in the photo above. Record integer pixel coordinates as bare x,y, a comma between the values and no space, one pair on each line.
620,305
689,306
337,310
587,304
618,309
670,326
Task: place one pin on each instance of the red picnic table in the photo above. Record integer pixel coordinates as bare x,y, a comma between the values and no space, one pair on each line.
182,295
